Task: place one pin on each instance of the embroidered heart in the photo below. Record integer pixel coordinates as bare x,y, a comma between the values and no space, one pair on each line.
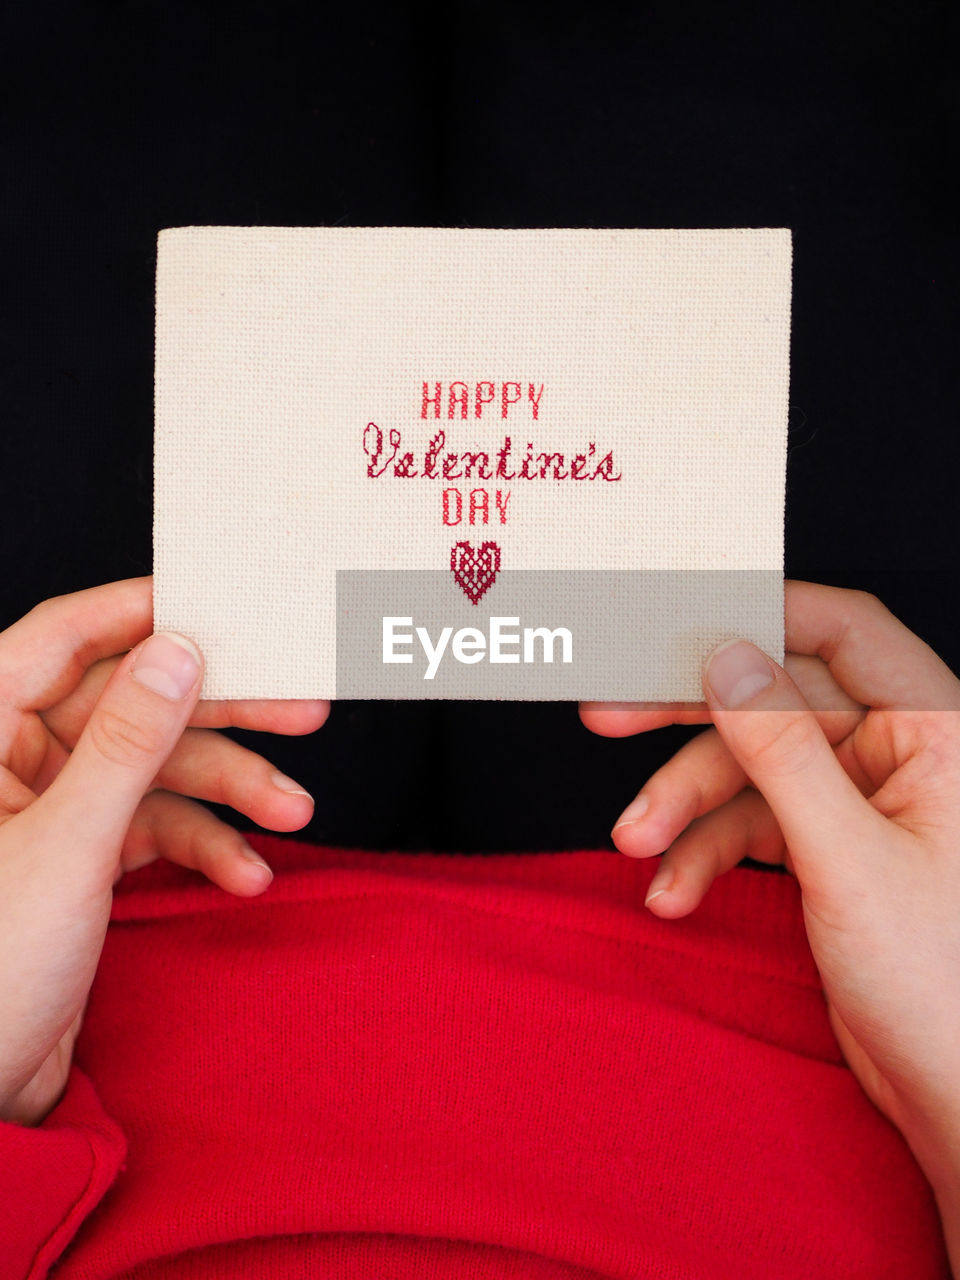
475,569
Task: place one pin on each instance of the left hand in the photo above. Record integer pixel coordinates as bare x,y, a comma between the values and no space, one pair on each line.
57,661
102,740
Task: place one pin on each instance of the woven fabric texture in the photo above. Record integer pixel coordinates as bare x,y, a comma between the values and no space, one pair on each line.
369,398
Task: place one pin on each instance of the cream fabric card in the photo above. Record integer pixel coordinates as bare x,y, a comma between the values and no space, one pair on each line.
434,462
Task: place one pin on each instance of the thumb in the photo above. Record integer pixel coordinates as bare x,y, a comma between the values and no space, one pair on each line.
134,726
766,724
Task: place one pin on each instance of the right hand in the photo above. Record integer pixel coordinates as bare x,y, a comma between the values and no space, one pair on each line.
96,765
844,765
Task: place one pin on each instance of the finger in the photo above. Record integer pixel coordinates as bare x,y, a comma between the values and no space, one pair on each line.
870,653
211,767
204,763
703,774
25,745
15,795
33,754
269,715
622,719
743,828
183,832
828,826
838,714
45,654
84,813
287,716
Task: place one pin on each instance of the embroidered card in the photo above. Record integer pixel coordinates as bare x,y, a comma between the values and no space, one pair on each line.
416,462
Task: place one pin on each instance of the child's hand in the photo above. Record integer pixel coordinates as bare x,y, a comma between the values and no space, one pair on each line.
861,801
96,763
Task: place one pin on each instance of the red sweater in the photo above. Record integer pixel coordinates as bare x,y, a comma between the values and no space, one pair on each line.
437,1066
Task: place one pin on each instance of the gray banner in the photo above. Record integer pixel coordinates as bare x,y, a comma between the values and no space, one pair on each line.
593,635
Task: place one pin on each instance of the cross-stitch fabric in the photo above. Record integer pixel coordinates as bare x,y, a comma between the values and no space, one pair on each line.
476,403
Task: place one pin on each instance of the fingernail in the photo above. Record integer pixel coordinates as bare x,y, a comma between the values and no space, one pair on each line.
737,671
168,664
251,855
662,882
633,812
283,783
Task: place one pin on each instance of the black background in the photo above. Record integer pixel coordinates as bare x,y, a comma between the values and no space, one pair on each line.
838,121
